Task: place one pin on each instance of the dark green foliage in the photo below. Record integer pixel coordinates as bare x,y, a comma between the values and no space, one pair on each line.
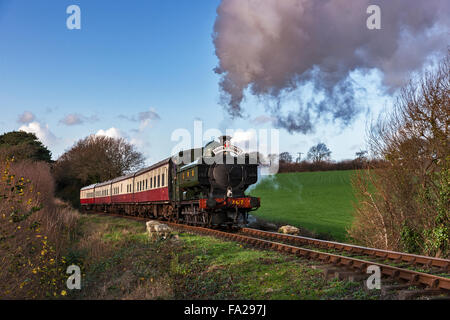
23,145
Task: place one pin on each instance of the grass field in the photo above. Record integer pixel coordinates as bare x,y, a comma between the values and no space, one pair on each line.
118,261
320,202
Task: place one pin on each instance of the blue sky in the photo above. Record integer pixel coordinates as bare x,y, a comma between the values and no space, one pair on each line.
138,69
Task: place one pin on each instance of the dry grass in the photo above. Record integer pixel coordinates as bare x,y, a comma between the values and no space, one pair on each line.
33,232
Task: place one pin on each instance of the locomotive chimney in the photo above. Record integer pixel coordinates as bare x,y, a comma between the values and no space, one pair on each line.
224,139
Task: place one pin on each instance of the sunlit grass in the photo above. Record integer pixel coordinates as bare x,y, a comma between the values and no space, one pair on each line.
318,201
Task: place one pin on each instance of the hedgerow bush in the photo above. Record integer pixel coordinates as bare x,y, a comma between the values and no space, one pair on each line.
33,231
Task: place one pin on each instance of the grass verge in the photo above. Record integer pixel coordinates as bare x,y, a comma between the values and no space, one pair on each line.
118,261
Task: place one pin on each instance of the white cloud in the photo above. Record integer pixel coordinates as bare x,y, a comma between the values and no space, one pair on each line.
26,117
145,118
111,132
75,118
42,132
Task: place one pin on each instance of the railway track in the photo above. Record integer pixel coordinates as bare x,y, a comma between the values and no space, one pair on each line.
399,259
351,259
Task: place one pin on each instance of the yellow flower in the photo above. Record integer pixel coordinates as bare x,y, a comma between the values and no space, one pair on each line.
63,293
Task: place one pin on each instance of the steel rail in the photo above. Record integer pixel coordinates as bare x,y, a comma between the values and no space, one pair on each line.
413,277
354,249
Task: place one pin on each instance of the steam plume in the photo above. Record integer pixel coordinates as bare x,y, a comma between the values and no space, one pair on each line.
273,47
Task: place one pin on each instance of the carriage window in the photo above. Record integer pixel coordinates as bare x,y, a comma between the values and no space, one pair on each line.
159,177
146,184
151,182
163,181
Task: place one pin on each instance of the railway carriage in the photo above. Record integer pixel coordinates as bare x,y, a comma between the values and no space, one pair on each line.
87,196
152,184
204,186
122,189
103,193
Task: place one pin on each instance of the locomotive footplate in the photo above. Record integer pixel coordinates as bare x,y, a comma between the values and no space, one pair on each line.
241,203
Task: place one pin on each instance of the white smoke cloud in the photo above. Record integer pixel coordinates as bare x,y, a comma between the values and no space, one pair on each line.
272,48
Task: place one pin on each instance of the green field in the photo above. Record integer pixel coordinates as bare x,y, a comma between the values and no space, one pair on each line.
321,202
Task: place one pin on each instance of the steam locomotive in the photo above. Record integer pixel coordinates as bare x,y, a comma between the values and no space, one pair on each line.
203,186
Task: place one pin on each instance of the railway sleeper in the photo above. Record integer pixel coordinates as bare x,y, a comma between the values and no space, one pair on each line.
351,276
413,294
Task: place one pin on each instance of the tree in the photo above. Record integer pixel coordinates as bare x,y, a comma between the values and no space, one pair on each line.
319,153
92,160
361,155
285,157
405,205
23,145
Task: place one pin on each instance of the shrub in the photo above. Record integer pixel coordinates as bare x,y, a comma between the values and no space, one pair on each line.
405,205
33,231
